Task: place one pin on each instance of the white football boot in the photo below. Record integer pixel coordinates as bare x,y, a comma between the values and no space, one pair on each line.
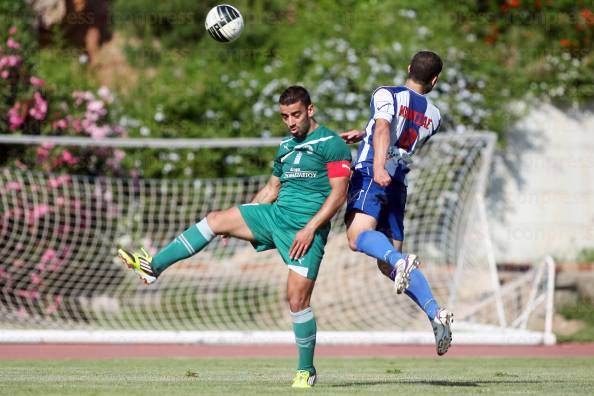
403,268
442,330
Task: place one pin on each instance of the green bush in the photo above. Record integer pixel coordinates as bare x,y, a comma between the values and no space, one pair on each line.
498,57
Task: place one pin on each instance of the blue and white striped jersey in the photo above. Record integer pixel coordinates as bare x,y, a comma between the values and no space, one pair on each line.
413,120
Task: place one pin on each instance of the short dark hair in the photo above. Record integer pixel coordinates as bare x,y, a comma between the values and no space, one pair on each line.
295,94
425,66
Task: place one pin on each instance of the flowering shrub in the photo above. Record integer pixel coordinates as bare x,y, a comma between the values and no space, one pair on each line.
545,46
32,109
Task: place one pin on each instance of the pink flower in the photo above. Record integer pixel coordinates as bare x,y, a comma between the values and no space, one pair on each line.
56,265
11,43
28,294
68,158
86,124
64,229
118,155
58,181
38,212
105,94
42,154
35,278
48,255
76,125
16,117
36,82
116,160
76,204
4,74
82,96
12,30
39,110
98,132
95,110
53,307
13,60
16,186
118,130
22,313
60,124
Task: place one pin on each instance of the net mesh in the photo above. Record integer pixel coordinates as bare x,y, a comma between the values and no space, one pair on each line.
59,235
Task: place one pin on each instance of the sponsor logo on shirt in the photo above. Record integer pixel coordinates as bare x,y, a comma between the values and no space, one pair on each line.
297,172
418,118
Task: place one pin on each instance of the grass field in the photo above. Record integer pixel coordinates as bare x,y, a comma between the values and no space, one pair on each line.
272,376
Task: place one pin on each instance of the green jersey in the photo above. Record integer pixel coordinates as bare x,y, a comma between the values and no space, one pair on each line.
301,166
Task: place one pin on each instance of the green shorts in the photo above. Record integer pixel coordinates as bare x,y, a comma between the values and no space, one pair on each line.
272,230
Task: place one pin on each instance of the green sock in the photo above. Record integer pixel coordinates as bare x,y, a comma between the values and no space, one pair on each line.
304,327
187,244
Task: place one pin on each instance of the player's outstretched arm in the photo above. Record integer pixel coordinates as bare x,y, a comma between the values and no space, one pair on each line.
331,205
381,142
352,136
269,192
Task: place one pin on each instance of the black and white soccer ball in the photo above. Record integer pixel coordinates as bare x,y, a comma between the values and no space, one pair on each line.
224,23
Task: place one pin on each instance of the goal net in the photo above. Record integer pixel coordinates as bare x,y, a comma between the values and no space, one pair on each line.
60,280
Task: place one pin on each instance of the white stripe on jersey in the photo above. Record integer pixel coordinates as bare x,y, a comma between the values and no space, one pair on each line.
323,139
433,113
403,99
312,142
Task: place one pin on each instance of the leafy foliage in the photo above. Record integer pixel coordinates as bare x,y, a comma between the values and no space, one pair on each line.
499,56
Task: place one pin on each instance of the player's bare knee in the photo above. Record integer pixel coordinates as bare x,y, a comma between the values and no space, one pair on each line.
298,303
214,222
352,241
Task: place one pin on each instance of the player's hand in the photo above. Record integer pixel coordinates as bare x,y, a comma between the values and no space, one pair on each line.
382,177
352,136
301,243
225,240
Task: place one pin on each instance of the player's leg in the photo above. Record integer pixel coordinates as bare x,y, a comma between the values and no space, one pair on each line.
191,241
418,289
300,283
420,292
367,211
299,289
365,205
198,236
384,267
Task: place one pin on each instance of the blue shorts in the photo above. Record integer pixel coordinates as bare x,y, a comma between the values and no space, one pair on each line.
386,205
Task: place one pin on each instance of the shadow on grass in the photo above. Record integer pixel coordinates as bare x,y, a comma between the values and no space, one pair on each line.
469,384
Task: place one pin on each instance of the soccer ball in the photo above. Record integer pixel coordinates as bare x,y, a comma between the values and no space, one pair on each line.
224,23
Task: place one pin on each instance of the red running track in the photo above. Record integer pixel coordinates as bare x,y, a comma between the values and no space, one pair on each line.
123,351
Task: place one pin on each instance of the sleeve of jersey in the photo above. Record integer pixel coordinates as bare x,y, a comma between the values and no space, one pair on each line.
338,159
383,105
277,167
436,121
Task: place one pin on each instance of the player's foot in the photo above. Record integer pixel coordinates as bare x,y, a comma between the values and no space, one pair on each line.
304,379
403,269
442,330
140,263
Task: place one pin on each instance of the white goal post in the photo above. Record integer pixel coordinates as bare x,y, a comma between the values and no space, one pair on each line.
60,280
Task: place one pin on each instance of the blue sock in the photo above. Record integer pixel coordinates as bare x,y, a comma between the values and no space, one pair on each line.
420,292
376,244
